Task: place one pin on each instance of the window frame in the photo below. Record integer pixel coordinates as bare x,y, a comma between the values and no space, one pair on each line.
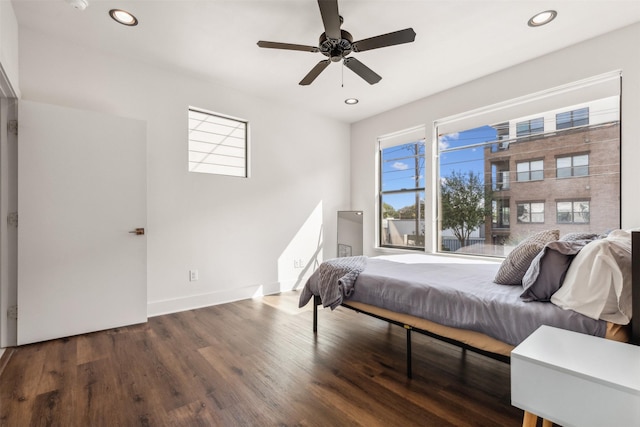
417,190
530,130
531,212
529,171
602,93
573,167
571,123
573,211
230,122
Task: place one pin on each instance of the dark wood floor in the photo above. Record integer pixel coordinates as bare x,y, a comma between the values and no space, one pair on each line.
253,363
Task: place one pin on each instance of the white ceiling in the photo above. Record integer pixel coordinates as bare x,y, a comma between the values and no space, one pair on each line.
457,41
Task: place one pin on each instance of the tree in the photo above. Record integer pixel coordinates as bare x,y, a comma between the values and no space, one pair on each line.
388,211
465,204
409,212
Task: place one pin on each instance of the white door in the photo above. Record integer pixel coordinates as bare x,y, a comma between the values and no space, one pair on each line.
81,191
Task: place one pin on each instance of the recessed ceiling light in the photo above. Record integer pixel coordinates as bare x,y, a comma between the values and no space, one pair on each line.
123,17
542,18
351,101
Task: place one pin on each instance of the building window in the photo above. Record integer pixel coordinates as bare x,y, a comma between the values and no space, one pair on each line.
217,144
530,171
530,212
500,176
570,119
500,213
402,185
573,212
576,165
530,127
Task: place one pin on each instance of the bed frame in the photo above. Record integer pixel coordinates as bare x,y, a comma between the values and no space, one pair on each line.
634,332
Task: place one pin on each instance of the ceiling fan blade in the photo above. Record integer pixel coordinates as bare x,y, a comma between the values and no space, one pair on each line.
397,37
315,72
362,70
288,46
330,18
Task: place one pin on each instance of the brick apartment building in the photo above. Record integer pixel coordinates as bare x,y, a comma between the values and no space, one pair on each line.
558,170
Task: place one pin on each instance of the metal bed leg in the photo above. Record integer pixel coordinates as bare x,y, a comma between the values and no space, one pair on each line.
409,370
316,302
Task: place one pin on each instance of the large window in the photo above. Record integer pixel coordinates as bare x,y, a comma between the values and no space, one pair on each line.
576,165
493,189
217,144
402,185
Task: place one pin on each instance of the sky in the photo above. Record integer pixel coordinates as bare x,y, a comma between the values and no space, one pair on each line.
399,168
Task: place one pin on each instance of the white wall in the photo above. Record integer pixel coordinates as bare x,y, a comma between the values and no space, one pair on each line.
616,50
9,89
243,235
9,45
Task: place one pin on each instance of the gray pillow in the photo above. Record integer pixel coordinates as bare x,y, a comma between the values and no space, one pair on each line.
547,270
572,237
516,264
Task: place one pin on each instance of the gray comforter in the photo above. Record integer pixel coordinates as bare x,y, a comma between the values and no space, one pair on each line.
460,294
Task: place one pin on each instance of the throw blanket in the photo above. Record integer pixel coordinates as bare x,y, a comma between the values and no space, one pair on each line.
333,281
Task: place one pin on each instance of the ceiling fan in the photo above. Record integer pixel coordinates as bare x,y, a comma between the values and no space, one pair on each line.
337,44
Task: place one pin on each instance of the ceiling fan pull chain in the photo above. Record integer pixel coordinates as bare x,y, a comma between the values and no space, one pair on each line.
342,73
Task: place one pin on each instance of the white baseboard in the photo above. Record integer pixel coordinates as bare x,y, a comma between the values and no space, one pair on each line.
158,308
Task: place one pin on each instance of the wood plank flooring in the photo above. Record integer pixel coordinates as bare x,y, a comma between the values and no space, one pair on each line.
253,363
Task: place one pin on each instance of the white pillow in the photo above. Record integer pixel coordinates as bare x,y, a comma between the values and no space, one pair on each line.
598,282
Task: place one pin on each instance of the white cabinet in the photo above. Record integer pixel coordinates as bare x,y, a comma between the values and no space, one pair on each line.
575,379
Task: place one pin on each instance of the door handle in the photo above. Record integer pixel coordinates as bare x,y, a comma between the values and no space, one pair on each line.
138,231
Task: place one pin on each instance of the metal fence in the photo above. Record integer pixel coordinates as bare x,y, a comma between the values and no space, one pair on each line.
451,244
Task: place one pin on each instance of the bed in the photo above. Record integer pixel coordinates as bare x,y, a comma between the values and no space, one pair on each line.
456,299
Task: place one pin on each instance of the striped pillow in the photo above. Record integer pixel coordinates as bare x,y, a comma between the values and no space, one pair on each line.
515,265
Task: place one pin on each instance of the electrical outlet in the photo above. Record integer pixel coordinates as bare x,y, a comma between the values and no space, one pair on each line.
298,263
193,275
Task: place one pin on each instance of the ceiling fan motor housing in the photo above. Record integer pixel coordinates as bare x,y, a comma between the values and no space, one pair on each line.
336,49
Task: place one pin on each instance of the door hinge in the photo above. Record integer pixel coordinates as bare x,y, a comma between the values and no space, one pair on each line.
12,127
12,312
12,219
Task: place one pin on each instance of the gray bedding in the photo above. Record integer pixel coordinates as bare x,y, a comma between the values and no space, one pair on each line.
460,294
333,281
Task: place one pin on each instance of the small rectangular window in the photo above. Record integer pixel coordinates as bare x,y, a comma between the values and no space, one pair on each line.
530,170
530,127
574,118
573,212
217,144
576,165
530,212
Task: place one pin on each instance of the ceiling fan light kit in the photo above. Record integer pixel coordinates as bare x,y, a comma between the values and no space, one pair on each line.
336,44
